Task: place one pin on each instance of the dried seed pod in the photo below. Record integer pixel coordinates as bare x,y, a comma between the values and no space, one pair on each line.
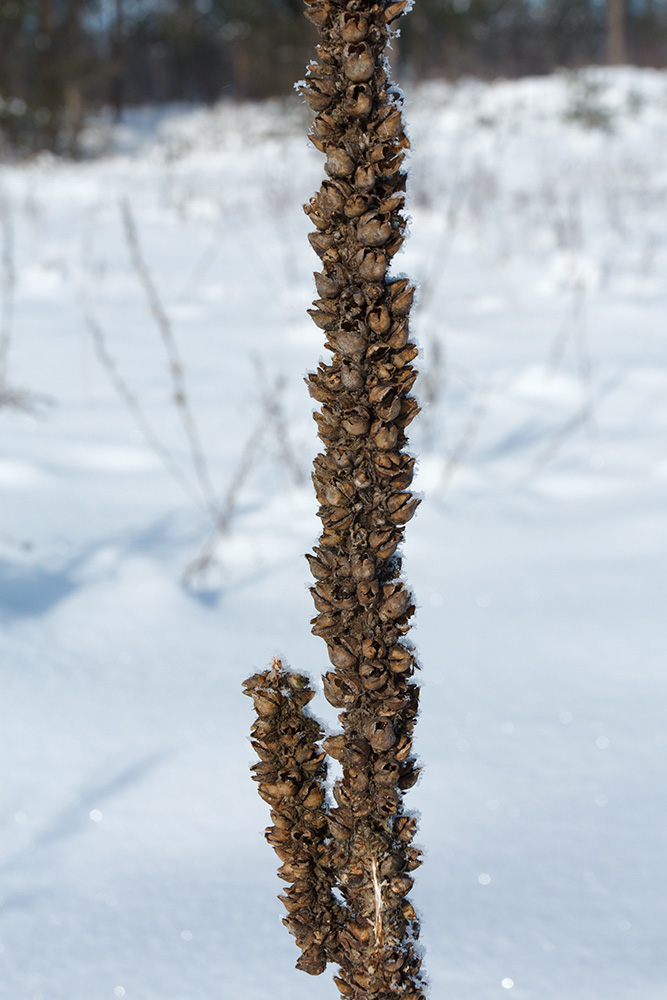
356,206
401,885
317,12
408,778
384,436
373,673
321,242
314,212
351,378
267,702
331,197
364,568
409,410
357,421
364,179
341,692
384,542
321,319
380,734
379,319
396,601
400,659
312,960
367,591
358,100
358,62
362,479
373,649
399,335
315,96
329,283
341,657
353,27
339,163
373,228
401,507
391,127
387,801
401,300
372,265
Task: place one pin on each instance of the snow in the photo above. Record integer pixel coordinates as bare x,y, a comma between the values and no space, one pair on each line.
132,852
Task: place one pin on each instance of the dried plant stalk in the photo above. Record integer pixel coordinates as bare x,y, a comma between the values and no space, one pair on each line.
362,483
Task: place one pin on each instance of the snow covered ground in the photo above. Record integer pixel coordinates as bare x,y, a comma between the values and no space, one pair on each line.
132,856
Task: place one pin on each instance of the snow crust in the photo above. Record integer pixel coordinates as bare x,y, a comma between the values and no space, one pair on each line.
132,852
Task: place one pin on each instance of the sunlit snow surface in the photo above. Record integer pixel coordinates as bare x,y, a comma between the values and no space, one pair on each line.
133,862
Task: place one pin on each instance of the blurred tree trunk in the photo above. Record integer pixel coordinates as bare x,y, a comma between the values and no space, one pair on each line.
117,85
617,54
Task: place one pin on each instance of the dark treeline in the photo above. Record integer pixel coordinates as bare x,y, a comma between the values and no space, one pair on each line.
60,59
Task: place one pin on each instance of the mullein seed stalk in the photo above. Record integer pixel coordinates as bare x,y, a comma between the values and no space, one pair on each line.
361,843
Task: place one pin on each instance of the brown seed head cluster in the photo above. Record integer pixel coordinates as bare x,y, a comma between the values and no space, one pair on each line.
362,482
291,774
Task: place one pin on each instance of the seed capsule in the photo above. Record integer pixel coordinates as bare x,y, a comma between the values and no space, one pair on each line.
339,164
386,774
408,778
314,97
399,335
324,320
267,702
391,127
328,283
353,27
367,591
357,421
387,801
364,178
374,229
373,675
320,242
342,658
340,692
399,504
401,885
396,603
372,265
314,213
331,197
400,659
409,410
350,344
384,436
323,625
358,62
384,542
380,734
364,568
318,13
356,206
373,648
358,100
401,300
379,319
